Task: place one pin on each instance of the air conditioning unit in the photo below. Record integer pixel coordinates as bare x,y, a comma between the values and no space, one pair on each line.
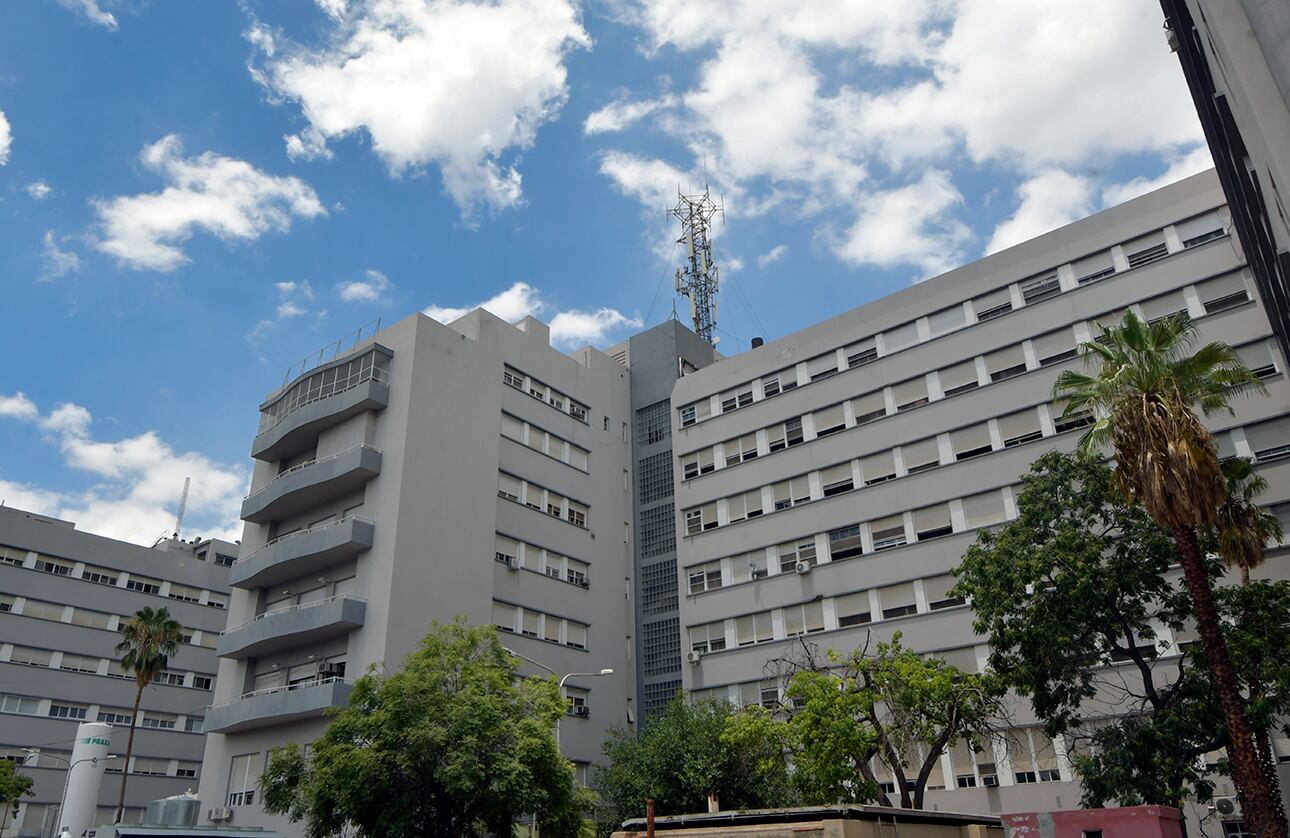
219,815
1226,806
327,669
582,710
803,567
584,583
694,656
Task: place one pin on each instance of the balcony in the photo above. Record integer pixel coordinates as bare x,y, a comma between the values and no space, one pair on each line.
301,624
311,484
325,397
303,552
278,705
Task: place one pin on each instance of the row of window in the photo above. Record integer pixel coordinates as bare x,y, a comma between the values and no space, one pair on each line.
25,705
544,442
88,618
802,554
530,623
93,665
151,766
306,672
1042,351
524,556
544,500
921,596
1133,254
372,365
512,377
113,578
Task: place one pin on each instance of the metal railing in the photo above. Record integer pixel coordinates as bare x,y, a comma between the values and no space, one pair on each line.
307,464
309,531
284,688
338,347
297,607
324,390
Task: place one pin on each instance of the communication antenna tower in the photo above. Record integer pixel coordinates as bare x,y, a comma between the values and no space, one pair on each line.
183,505
698,279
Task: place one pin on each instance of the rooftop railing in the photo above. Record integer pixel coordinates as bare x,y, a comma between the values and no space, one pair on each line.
338,347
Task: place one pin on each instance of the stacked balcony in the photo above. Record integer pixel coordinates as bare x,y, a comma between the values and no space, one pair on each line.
303,624
278,705
312,484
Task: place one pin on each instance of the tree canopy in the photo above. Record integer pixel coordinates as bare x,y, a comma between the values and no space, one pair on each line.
454,744
13,787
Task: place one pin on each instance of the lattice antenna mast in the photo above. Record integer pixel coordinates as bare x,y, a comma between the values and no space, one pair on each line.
183,506
699,278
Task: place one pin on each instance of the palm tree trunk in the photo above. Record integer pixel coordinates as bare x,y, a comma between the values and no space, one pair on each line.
129,749
1259,802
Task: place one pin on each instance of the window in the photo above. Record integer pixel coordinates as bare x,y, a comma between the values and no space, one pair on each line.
508,487
1020,427
970,442
790,493
12,555
807,618
959,378
172,679
888,533
1146,250
910,394
579,458
822,366
708,638
1063,421
575,634
947,320
754,628
578,411
1269,440
577,514
836,479
79,663
143,585
42,610
932,522
1165,305
551,629
554,505
224,561
1258,357
194,724
696,463
785,435
530,623
829,420
852,609
1039,288
504,616
701,518
897,600
58,567
861,352
159,721
901,337
653,423
747,505
184,593
984,509
151,765
19,704
214,600
780,382
995,304
741,449
705,577
1201,229
202,682
28,656
878,468
793,552
845,543
696,412
1055,347
99,575
1006,363
60,710
749,566
507,551
512,378
938,593
735,399
512,428
6,603
964,765
921,456
244,779
186,769
119,718
1094,268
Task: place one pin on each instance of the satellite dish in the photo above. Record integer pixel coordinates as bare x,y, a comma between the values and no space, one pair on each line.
1224,806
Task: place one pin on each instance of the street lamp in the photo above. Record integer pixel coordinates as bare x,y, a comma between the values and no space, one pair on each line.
62,801
563,678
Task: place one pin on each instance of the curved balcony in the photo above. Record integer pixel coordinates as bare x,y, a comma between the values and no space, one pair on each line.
303,552
312,484
308,622
321,399
278,705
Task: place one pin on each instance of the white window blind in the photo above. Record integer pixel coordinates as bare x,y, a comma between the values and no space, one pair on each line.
877,468
900,337
1020,427
836,479
1148,249
911,393
1197,230
932,521
994,304
921,455
897,600
937,590
1163,306
508,487
512,427
504,616
791,492
984,509
1055,347
869,407
1006,362
1258,357
1222,292
852,609
829,420
754,628
861,352
947,320
575,633
1269,440
888,532
958,378
1095,267
971,441
822,366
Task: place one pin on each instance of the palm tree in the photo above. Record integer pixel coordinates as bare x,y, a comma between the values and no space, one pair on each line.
1243,528
1166,460
148,639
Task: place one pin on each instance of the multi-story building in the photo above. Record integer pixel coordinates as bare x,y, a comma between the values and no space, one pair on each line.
1234,57
828,482
427,472
64,594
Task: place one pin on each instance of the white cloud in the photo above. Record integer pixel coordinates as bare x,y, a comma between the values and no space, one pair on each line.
293,299
911,225
571,327
1049,200
732,264
39,190
1186,165
18,406
619,115
137,480
58,263
370,289
6,139
92,11
222,195
453,83
772,256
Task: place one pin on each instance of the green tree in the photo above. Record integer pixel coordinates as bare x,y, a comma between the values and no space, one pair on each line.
690,751
1081,580
1166,460
148,640
455,744
13,787
1243,528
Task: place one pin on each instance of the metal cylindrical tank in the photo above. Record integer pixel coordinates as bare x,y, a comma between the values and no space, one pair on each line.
84,777
181,810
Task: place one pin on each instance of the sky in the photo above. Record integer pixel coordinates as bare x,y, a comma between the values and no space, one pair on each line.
194,196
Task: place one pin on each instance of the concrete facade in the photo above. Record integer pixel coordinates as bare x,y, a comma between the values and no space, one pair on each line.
63,595
434,471
829,481
821,821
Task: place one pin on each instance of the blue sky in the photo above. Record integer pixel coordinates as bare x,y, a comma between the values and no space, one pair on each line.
195,195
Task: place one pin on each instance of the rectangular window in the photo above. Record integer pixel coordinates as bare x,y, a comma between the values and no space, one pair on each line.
1270,440
79,663
507,551
932,522
28,656
747,505
795,552
512,428
921,456
1201,229
114,717
984,509
12,555
508,487
194,724
995,304
143,585
897,600
845,543
513,378
836,479
1064,422
829,420
1039,288
530,623
577,514
1055,347
822,366
59,710
58,567
959,378
878,468
785,435
869,407
504,616
754,628
710,637
1165,305
938,593
807,618
42,610
705,577
1258,358
735,399
1146,250
99,575
696,463
946,320
6,603
696,412
1094,268
862,352
901,337
575,634
244,779
214,600
172,679
1223,292
186,769
888,533
184,593
1006,363
554,505
970,442
741,449
159,721
852,609
910,394
749,566
202,682
1020,427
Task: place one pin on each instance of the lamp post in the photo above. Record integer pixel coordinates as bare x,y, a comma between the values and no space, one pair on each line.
62,800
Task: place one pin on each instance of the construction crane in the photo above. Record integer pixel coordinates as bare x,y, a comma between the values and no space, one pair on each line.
699,278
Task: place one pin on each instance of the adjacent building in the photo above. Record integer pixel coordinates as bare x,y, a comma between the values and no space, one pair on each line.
63,596
428,471
827,482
